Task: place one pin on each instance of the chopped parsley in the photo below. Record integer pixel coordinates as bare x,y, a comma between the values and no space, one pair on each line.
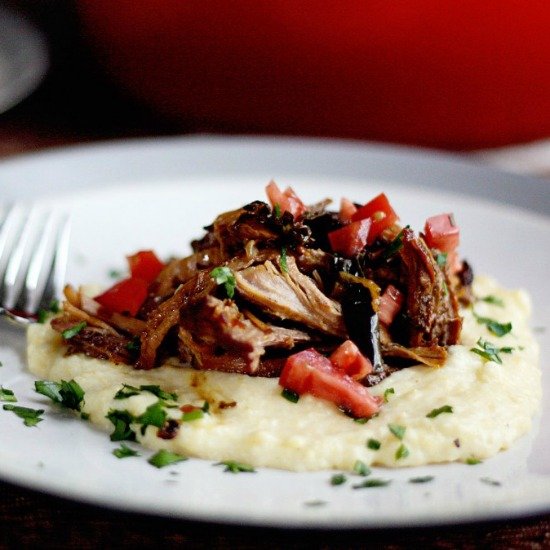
498,329
31,417
290,395
222,275
7,396
165,458
490,299
489,351
44,313
372,482
130,391
338,479
397,430
154,415
161,394
277,210
235,467
67,394
122,420
134,345
360,468
194,414
436,412
421,479
395,246
402,452
472,461
282,260
441,259
124,451
387,393
73,331
126,392
374,444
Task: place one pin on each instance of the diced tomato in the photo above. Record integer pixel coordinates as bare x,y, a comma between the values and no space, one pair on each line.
380,212
350,360
145,265
390,304
347,210
287,200
350,239
442,233
127,296
310,372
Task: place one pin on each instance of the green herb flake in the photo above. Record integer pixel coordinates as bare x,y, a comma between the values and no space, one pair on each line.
338,479
67,394
115,273
436,412
489,351
277,210
134,345
441,259
472,461
7,396
498,329
44,313
362,420
397,430
124,451
395,246
282,260
372,482
222,275
195,414
374,444
490,481
493,300
31,417
161,394
235,467
387,393
165,458
73,331
402,452
126,391
154,415
290,395
122,420
421,479
360,468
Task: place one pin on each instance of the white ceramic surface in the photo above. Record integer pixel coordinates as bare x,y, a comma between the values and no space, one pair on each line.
158,194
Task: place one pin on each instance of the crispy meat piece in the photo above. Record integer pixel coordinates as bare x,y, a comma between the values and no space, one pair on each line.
98,343
431,308
216,327
167,315
290,295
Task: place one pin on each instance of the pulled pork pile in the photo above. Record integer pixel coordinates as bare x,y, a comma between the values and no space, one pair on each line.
262,284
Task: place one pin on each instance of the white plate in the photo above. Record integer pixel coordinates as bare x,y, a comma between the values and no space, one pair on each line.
158,194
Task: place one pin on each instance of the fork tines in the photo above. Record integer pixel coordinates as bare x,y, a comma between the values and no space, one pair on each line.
33,257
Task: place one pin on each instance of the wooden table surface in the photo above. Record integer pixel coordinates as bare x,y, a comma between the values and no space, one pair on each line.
59,115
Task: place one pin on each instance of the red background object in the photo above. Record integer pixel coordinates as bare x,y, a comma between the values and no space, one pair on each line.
430,72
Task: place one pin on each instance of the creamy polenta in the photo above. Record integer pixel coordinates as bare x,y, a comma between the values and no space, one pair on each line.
472,407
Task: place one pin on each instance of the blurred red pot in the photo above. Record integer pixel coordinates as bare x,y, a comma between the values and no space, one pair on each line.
452,74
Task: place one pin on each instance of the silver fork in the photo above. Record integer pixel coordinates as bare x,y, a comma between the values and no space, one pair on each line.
34,244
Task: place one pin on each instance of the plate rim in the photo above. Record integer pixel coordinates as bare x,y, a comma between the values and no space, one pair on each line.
125,145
